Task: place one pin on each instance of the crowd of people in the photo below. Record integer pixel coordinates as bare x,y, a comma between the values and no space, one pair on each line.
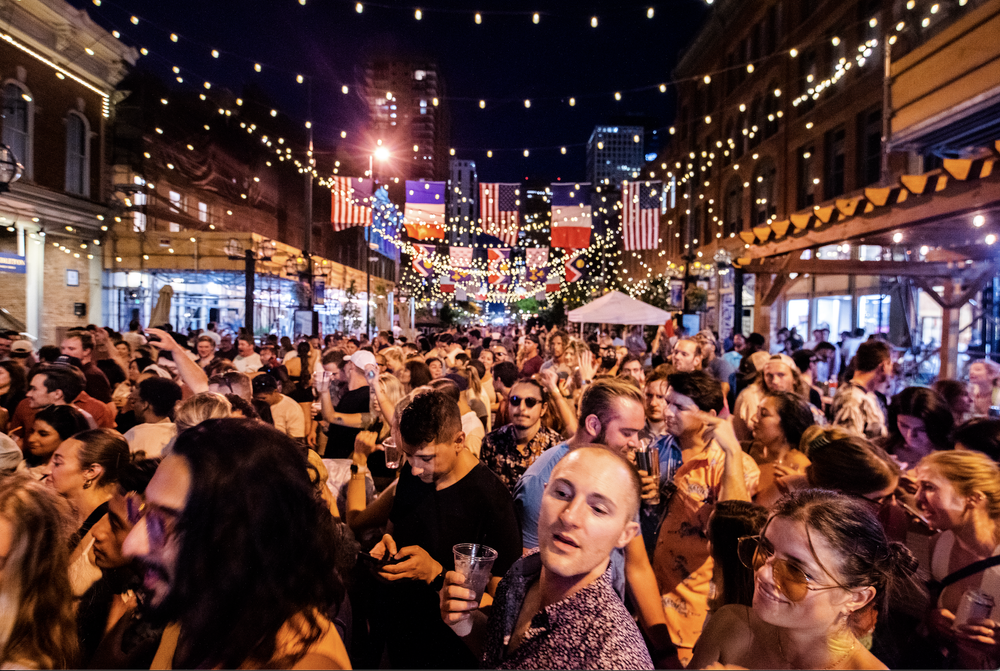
647,498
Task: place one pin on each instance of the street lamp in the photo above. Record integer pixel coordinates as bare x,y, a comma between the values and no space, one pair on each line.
10,168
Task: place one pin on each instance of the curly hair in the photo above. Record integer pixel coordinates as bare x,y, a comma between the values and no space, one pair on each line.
256,546
37,620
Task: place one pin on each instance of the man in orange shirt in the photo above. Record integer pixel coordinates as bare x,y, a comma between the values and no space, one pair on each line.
58,384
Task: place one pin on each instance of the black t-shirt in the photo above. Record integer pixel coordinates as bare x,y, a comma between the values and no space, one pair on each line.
476,508
340,439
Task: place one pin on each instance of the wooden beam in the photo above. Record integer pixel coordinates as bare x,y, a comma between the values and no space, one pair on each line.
961,201
787,264
929,290
775,290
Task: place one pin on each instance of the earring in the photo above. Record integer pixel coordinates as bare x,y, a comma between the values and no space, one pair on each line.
87,484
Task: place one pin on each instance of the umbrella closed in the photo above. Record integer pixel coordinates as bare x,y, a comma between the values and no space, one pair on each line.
161,313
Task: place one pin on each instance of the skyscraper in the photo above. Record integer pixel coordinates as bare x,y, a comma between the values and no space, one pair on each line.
614,153
463,187
410,116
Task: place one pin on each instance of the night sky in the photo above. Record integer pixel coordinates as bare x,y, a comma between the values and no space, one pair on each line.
504,60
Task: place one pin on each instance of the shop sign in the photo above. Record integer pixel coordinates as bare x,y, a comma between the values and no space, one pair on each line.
12,263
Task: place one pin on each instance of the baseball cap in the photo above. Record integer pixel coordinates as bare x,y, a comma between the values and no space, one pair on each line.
21,347
10,454
362,358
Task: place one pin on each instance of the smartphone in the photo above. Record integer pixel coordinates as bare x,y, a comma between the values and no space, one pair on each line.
563,375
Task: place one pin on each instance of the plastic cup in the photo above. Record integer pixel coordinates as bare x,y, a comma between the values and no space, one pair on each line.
393,455
475,562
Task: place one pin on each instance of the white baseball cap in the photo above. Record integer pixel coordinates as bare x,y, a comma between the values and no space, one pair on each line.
362,358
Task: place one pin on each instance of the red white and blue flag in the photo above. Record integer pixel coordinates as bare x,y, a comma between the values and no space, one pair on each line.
498,266
352,202
641,214
571,222
423,214
499,210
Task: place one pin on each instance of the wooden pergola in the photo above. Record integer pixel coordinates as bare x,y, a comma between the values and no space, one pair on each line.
951,211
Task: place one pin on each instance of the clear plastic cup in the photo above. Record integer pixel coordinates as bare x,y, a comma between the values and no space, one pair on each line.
475,562
393,455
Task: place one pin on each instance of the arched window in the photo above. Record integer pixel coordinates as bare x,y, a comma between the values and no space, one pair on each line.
17,124
756,122
727,147
733,212
764,198
77,154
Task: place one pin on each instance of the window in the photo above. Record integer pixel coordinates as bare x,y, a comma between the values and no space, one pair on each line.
765,204
771,107
17,107
833,177
77,154
203,212
176,203
808,182
419,75
756,122
869,147
733,213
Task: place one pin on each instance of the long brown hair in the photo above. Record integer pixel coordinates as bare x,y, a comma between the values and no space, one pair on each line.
37,624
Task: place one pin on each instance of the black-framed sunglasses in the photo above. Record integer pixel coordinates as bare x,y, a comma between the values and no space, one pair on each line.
529,402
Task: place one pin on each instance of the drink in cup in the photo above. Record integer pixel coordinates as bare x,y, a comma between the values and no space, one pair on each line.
393,454
647,458
475,562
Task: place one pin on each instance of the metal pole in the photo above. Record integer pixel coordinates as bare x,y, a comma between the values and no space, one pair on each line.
367,262
308,207
251,262
886,107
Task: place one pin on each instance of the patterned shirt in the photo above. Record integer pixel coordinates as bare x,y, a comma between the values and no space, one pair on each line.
590,630
502,455
859,410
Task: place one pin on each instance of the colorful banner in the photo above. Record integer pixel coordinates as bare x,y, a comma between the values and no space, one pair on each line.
461,257
499,266
499,210
423,215
423,263
552,283
537,275
571,223
536,257
576,266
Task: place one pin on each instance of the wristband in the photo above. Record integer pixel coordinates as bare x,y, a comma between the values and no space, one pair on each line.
438,583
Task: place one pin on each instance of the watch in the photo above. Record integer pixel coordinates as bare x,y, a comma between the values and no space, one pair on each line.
438,582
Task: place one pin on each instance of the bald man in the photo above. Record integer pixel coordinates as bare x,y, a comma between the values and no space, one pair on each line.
556,608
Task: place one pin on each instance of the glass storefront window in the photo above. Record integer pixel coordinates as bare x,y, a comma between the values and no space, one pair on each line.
797,316
835,312
873,313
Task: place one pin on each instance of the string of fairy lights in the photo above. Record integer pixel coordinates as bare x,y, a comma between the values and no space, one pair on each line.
303,158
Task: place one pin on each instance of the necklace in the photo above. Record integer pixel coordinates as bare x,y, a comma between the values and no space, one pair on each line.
781,651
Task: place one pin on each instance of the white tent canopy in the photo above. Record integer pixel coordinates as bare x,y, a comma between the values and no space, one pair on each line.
615,307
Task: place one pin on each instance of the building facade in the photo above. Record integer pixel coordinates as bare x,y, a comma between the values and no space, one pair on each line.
409,115
614,153
788,134
58,72
463,195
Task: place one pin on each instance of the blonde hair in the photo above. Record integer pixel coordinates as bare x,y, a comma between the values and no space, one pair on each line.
198,408
969,472
394,354
37,620
391,387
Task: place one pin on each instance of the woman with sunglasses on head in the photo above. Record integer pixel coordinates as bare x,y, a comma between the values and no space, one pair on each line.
823,572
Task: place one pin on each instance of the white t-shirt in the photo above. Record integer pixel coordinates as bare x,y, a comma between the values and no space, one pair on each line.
288,417
474,432
150,438
248,364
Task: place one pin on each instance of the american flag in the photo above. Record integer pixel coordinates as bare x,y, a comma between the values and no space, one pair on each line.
641,214
352,202
499,209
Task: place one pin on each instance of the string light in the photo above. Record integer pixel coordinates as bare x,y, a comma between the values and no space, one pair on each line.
359,8
479,17
593,22
535,18
417,14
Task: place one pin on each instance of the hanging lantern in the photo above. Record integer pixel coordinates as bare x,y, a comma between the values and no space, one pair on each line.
10,168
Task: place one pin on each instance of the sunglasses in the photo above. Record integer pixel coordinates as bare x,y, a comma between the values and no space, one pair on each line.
529,402
755,551
159,525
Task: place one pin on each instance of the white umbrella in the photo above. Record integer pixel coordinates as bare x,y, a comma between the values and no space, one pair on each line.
615,307
161,313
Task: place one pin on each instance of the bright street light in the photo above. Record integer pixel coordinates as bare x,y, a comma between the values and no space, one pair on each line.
381,153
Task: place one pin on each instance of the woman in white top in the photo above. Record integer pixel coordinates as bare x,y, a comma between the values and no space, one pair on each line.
959,495
84,470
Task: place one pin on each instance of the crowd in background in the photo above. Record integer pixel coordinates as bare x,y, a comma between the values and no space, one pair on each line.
652,498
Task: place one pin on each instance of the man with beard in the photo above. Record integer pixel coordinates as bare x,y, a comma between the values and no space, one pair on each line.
555,608
230,600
